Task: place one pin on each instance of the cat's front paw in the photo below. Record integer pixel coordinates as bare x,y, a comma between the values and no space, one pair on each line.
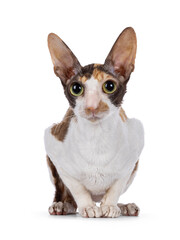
110,211
90,212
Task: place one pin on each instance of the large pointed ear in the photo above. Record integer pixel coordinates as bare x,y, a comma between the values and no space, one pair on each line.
121,58
65,63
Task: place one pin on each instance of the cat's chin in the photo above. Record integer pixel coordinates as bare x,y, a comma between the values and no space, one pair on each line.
94,119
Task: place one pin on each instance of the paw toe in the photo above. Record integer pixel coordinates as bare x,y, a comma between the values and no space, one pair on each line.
110,211
91,212
68,208
56,208
59,208
133,209
130,209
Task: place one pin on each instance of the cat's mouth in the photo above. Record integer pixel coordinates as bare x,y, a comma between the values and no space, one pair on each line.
94,118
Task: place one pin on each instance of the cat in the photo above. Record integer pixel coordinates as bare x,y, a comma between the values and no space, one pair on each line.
93,153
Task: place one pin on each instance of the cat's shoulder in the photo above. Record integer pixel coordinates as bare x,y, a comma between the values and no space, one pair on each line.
133,128
131,122
58,131
54,135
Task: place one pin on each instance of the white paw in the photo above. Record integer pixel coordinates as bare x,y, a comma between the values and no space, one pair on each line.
90,211
110,211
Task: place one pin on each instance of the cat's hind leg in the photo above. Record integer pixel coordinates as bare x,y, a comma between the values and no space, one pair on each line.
63,202
130,209
109,204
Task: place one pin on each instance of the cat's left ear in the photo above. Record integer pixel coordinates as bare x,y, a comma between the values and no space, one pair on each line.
65,63
121,58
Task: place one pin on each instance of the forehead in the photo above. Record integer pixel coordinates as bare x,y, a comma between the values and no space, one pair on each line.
94,71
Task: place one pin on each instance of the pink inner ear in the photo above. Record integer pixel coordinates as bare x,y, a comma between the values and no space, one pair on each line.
70,72
65,63
64,73
62,56
123,63
122,55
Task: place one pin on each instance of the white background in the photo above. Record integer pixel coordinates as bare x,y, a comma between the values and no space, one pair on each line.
31,99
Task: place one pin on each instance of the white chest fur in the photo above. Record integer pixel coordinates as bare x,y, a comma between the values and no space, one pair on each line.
97,154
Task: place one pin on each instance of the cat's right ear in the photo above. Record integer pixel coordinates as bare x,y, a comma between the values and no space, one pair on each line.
65,63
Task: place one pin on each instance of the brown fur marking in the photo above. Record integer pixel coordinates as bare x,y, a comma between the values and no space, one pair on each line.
59,130
123,115
135,168
62,193
97,65
102,107
97,74
100,75
83,79
132,174
130,209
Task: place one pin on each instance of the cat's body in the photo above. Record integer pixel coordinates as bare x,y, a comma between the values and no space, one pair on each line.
93,153
97,155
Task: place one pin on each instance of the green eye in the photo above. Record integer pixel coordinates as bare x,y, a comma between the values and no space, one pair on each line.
109,87
76,89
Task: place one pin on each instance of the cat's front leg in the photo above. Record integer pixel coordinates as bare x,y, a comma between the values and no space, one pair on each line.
109,202
86,206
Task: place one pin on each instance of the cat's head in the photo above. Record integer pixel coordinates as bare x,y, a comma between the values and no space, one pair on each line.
96,90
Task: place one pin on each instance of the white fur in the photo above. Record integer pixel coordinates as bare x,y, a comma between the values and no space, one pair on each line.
97,154
95,157
93,95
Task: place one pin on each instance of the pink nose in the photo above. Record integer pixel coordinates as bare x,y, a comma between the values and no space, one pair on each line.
90,110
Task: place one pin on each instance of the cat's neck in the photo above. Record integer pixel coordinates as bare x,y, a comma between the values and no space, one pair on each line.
107,124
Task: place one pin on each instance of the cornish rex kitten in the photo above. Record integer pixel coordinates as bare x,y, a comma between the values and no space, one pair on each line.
93,153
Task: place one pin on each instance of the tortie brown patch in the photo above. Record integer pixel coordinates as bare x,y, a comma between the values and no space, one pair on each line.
97,65
100,75
95,72
133,173
60,130
123,115
135,168
83,79
102,107
130,209
62,193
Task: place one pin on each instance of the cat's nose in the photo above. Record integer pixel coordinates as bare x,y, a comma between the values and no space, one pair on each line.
90,110
91,102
